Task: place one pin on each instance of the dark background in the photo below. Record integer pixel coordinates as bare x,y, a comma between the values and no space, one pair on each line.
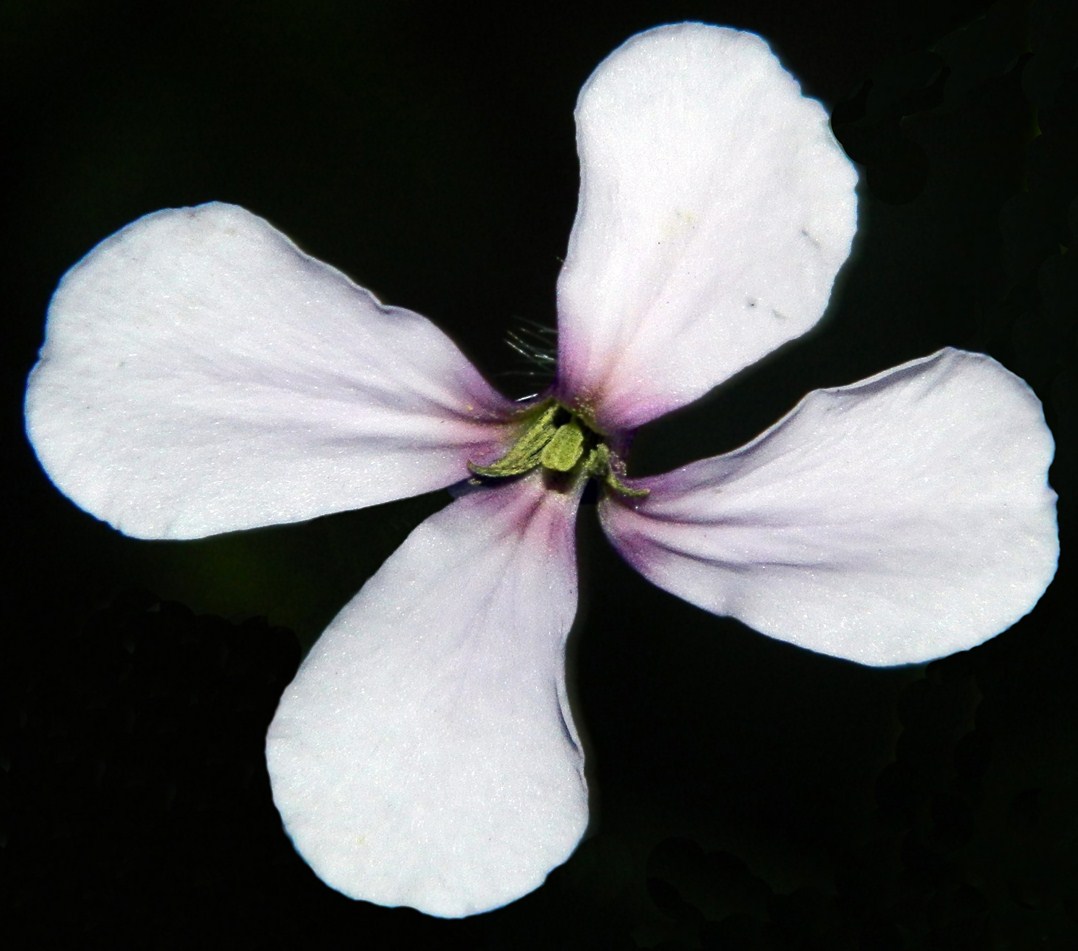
746,793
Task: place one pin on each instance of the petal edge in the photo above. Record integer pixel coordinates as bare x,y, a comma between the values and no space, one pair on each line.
892,521
425,754
201,374
715,209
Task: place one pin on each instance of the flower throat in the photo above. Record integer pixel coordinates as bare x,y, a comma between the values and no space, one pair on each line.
560,441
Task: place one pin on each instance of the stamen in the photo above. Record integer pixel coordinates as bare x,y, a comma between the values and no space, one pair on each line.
560,441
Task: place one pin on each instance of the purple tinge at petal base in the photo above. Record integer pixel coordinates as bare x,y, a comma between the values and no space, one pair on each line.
893,521
425,753
715,209
200,374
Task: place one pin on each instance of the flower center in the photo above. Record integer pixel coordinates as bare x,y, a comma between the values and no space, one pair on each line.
560,441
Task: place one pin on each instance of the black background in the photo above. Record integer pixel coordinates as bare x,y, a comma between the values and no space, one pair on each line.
746,793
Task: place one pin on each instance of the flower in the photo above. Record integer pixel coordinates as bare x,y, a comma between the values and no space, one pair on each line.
200,374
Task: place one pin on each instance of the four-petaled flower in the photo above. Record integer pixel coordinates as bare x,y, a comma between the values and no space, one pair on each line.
201,375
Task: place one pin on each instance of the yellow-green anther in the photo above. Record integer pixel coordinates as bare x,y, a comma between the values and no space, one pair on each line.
601,465
613,482
527,452
565,447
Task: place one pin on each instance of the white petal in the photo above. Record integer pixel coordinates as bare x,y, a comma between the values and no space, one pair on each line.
892,521
201,374
425,753
715,209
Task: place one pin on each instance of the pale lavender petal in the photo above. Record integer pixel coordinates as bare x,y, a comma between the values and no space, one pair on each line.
425,753
715,209
201,374
892,521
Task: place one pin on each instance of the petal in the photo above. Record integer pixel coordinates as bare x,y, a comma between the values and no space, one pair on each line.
425,754
892,521
715,209
201,374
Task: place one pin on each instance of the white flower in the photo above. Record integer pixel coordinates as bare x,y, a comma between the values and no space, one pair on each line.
200,375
